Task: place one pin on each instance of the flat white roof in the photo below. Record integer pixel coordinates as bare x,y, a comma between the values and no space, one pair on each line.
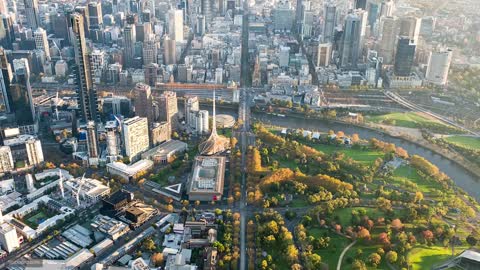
131,169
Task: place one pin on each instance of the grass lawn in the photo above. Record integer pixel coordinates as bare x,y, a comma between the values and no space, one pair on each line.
407,173
409,120
466,142
331,254
367,249
345,214
362,156
424,257
35,220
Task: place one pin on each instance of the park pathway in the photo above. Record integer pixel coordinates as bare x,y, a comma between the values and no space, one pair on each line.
340,259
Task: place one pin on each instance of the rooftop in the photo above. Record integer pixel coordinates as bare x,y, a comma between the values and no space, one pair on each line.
208,175
165,149
131,169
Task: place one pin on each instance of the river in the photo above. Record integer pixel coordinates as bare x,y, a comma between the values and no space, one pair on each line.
460,176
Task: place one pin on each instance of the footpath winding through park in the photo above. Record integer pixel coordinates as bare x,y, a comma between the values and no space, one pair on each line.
340,259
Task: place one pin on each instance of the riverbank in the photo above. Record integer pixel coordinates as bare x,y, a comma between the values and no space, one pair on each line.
447,154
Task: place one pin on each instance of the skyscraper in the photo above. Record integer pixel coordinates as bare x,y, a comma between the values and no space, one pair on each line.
410,27
87,94
361,4
143,102
95,17
31,13
34,151
151,74
438,67
175,24
129,38
388,37
41,41
207,11
352,43
168,106
149,50
169,51
404,57
6,27
20,94
191,105
6,77
324,54
386,8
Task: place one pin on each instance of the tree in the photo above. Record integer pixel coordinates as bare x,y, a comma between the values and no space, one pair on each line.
472,240
157,259
397,224
428,236
363,234
233,142
391,256
418,197
296,266
358,265
374,259
314,261
292,253
355,138
148,244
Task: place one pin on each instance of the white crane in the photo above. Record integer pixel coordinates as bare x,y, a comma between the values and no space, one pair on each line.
56,105
60,185
80,185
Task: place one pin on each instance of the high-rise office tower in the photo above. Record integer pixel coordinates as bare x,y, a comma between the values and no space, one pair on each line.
31,13
6,27
143,102
200,25
112,138
169,51
298,15
168,106
306,20
6,159
92,142
428,26
41,41
20,94
410,27
129,38
6,77
8,237
175,24
283,16
191,105
95,17
324,54
361,4
60,26
404,57
151,74
149,50
438,67
207,11
373,12
87,94
330,21
353,35
3,7
135,137
389,34
386,8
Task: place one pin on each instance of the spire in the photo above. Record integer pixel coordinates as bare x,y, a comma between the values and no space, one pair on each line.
214,124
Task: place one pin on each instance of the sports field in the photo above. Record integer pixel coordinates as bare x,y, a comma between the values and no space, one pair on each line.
466,142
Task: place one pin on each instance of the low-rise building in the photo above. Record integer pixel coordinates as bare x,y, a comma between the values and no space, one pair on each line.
111,227
207,180
165,152
129,172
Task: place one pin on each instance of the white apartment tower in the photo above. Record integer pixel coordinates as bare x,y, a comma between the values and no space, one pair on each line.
8,237
438,67
135,137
